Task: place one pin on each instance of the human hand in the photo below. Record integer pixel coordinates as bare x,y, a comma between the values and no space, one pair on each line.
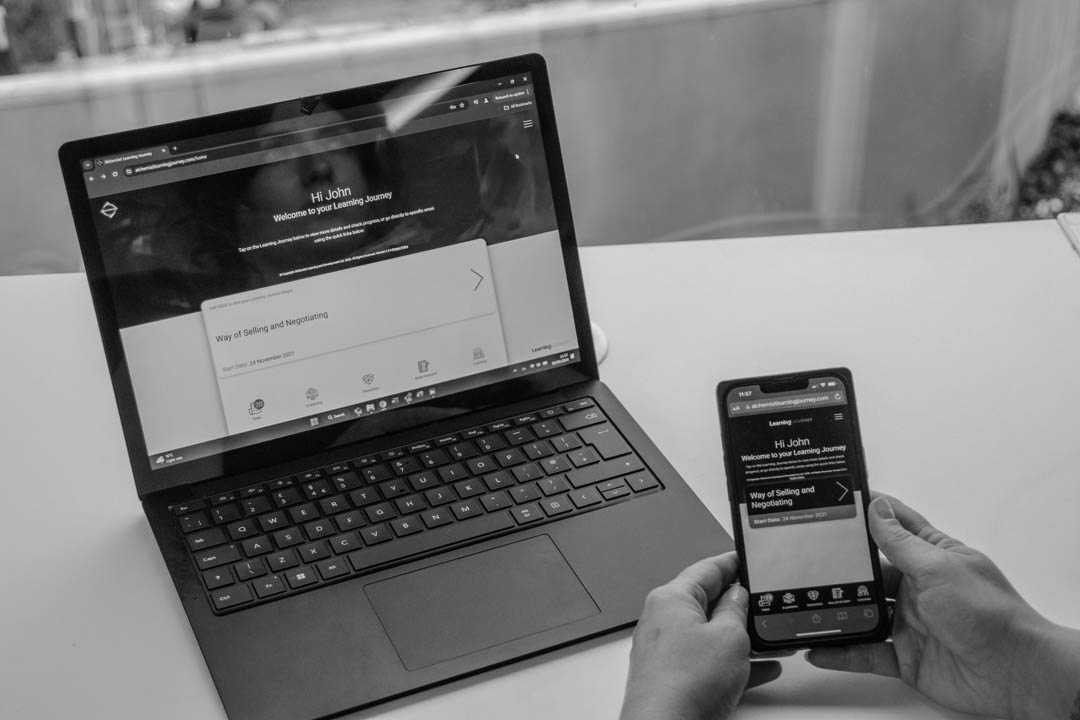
962,635
691,655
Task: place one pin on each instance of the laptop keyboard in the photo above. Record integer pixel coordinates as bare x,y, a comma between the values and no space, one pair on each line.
279,538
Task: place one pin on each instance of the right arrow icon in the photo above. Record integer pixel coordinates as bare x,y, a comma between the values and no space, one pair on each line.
843,487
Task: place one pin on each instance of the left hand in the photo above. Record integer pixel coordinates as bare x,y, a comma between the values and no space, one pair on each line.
688,663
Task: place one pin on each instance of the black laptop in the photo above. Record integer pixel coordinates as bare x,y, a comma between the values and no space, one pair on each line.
350,349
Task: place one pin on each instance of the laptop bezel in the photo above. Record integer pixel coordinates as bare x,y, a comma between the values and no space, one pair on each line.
318,440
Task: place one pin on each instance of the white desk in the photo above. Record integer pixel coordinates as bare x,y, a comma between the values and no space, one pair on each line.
965,347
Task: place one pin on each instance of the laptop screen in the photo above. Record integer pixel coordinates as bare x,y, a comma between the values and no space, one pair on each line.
332,265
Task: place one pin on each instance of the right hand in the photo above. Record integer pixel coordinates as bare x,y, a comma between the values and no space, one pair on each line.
962,635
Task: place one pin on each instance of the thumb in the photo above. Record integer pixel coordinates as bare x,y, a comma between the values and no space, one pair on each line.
732,605
907,551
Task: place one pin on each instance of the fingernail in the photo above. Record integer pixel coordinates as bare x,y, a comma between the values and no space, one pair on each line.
883,509
739,594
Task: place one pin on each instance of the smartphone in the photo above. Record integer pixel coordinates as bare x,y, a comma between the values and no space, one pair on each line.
797,485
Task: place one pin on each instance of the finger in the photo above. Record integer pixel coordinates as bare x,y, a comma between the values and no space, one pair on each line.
763,671
921,527
876,658
706,579
904,549
732,606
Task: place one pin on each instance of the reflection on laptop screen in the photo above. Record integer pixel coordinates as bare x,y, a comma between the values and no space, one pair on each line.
302,274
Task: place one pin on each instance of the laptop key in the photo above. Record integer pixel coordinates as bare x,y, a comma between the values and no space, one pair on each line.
530,471
641,481
491,443
314,551
255,505
453,473
225,514
483,524
231,597
375,473
440,496
435,458
301,577
344,543
557,505
375,534
436,517
365,496
466,509
555,464
464,450
346,481
551,412
496,501
309,475
524,493
583,457
616,492
422,481
215,557
303,513
206,538
508,458
547,428
517,436
501,479
349,520
481,465
578,405
319,529
268,586
223,498
242,529
394,488
584,418
188,507
538,449
316,489
606,470
380,512
286,497
335,567
288,537
610,485
408,525
553,485
250,569
410,504
566,443
525,514
469,488
217,578
585,498
257,546
606,440
405,466
282,560
333,505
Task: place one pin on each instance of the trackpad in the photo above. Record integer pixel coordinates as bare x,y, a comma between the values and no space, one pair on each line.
479,601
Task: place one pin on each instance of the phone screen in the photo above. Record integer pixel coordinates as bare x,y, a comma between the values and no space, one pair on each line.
798,490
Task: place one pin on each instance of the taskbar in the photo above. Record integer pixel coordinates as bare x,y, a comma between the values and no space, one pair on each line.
367,408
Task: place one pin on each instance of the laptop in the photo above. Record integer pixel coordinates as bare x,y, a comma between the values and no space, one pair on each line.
352,359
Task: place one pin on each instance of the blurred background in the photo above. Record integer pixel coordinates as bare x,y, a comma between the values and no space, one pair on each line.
680,119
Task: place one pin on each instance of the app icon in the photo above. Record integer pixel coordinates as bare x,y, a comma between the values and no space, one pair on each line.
841,615
368,378
370,407
256,406
422,366
478,353
789,598
314,421
837,593
863,591
312,393
816,619
765,600
382,404
812,595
